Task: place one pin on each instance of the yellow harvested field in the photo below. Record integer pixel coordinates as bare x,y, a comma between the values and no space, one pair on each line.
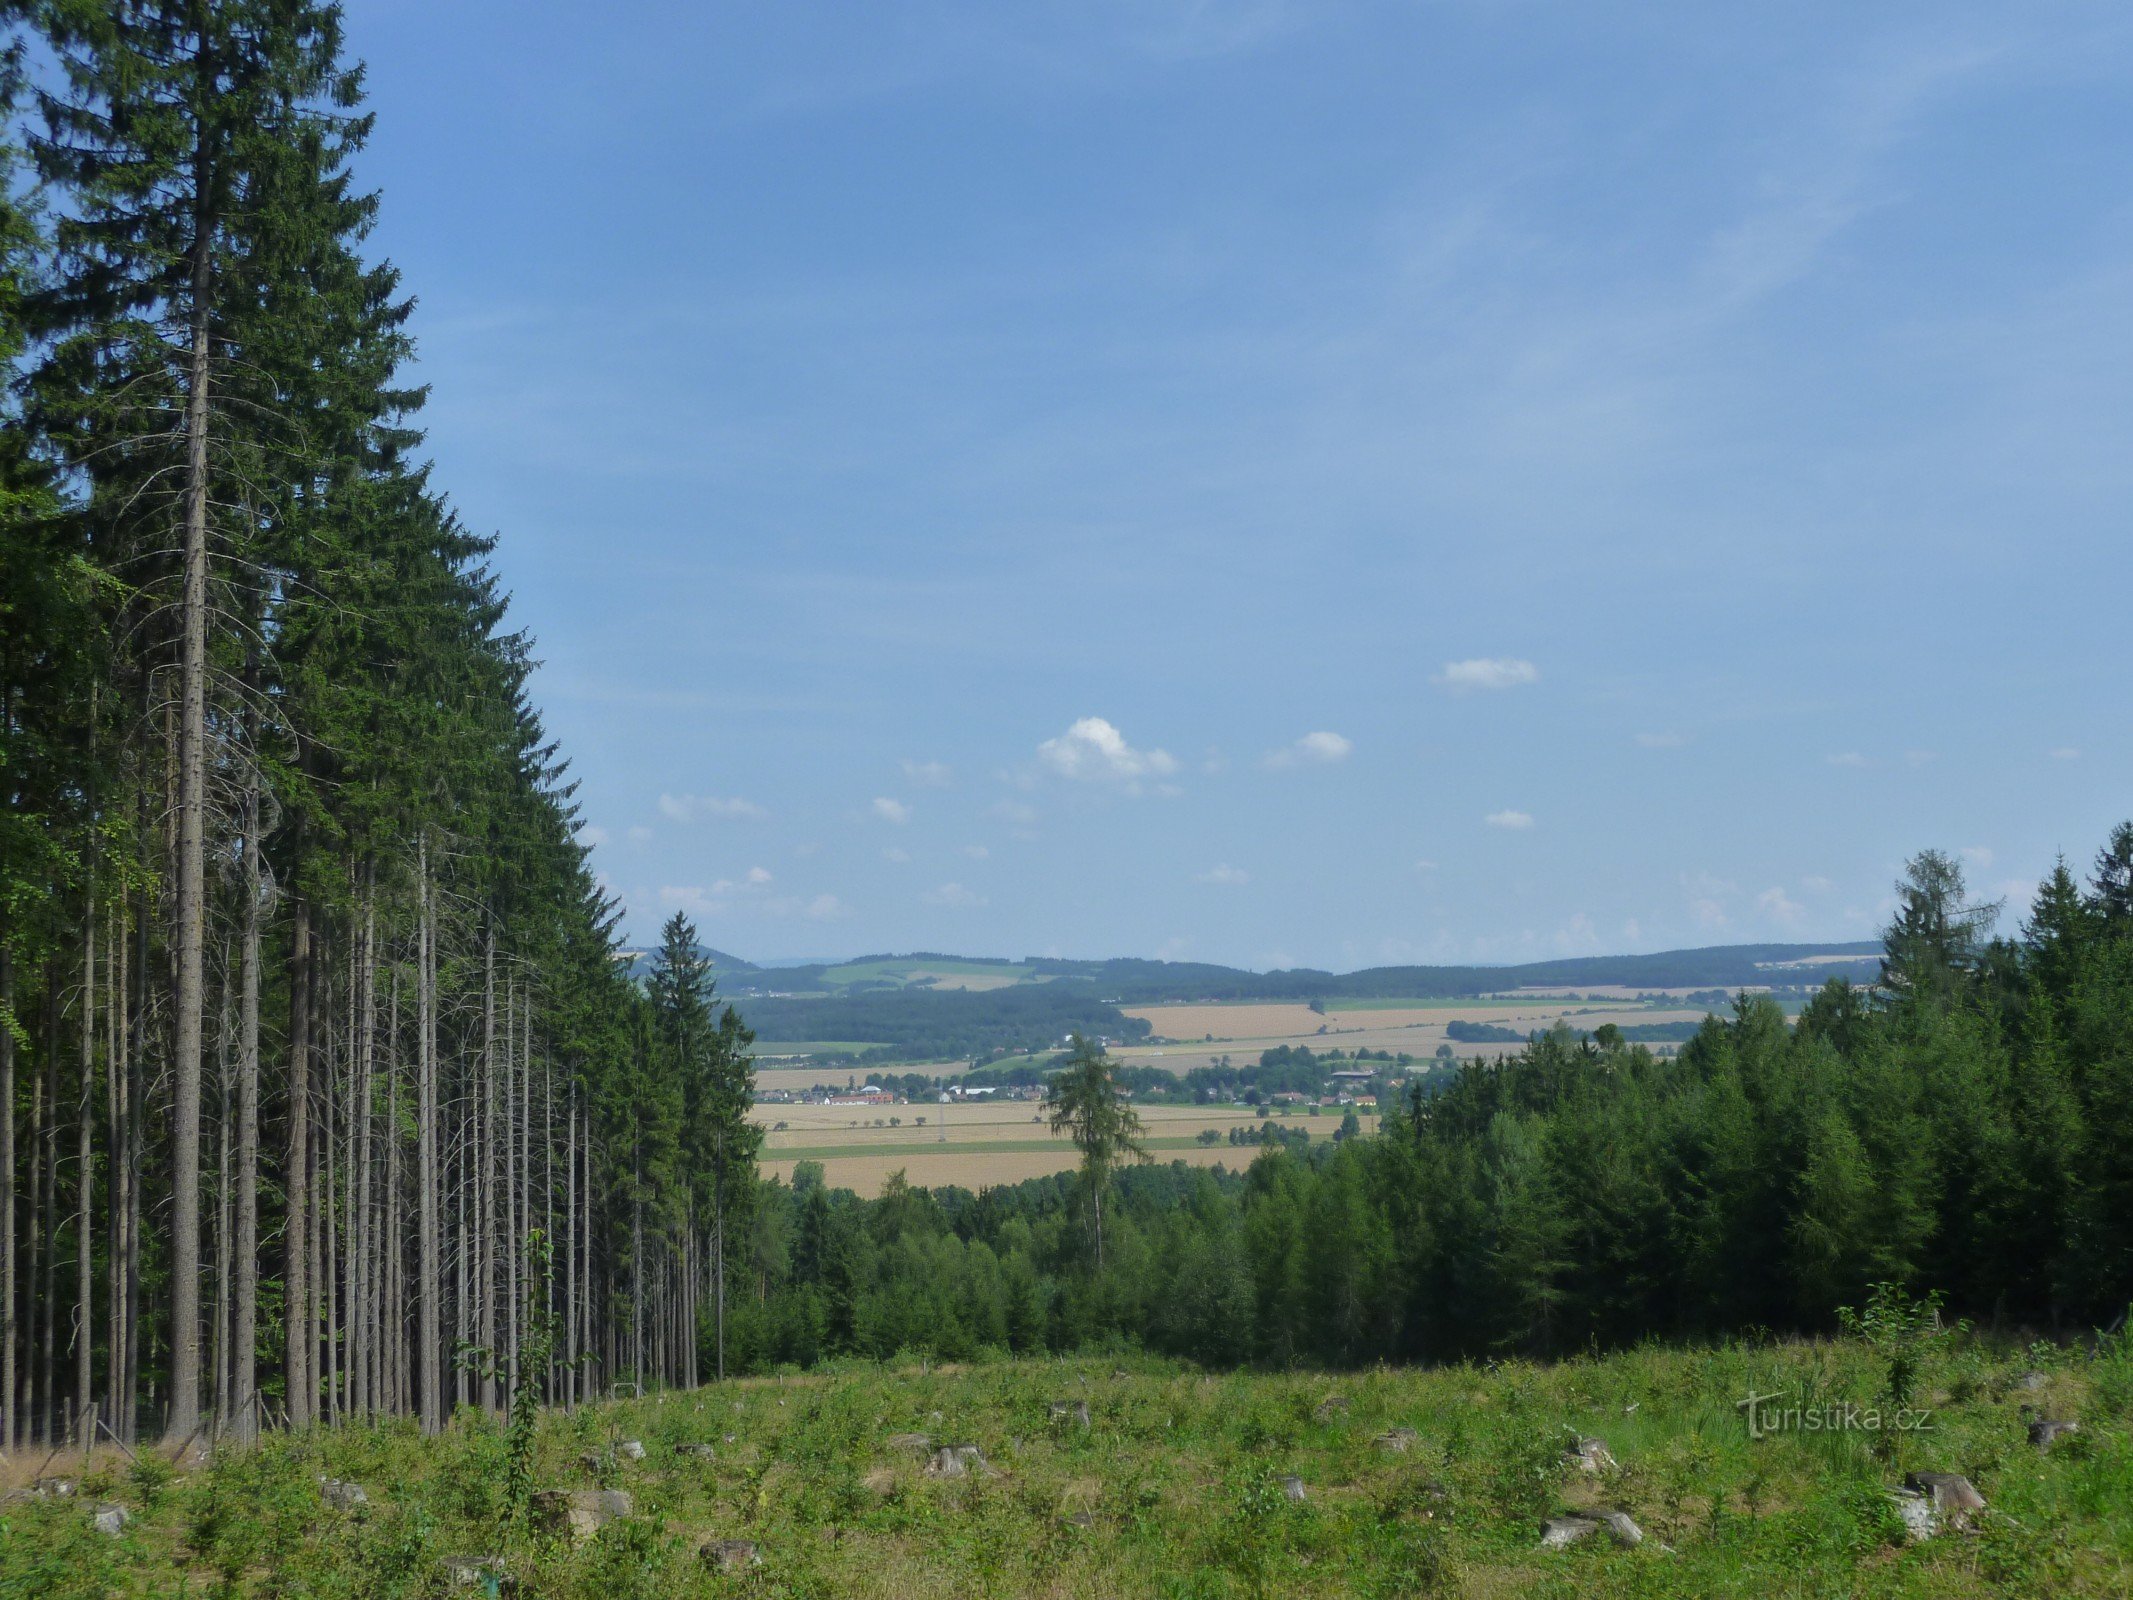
986,1144
1288,1020
974,982
1416,1032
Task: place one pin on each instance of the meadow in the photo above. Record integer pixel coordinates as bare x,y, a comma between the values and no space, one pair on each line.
1180,1485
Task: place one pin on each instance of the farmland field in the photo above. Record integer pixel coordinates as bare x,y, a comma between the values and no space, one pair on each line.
1416,1028
987,1144
1181,1485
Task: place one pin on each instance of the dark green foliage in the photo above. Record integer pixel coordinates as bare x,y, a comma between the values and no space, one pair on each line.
1961,1135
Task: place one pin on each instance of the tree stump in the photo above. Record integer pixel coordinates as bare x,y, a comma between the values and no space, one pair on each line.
578,1514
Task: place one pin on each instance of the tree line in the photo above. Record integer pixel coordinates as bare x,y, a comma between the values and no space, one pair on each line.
1959,1125
310,1018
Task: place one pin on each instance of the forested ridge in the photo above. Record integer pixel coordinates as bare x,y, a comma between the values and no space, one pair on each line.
312,1020
1959,1126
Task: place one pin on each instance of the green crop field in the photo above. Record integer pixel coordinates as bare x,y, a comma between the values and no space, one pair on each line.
1181,1486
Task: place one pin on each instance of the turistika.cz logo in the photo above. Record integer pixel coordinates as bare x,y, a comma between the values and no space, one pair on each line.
1766,1415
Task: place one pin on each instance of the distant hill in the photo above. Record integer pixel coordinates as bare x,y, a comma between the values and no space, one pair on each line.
1143,982
725,969
930,1005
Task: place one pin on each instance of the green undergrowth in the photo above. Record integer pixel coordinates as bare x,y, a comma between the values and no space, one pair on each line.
1175,1490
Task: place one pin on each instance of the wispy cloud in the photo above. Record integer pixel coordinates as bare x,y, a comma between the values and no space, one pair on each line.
1515,821
1494,672
693,807
2066,752
1223,872
1847,758
927,774
953,894
1313,749
890,810
1780,906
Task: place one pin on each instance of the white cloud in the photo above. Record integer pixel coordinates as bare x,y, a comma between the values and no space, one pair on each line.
1660,741
927,774
1578,934
1847,758
953,894
639,834
1514,820
891,810
1708,913
1313,749
1498,672
1977,855
591,837
1225,873
825,908
1093,751
1817,884
1425,866
976,852
1920,758
689,807
754,878
1020,813
896,853
2066,752
1780,906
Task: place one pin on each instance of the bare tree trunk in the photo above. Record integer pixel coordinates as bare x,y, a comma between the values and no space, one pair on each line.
514,1231
220,1358
485,1173
136,1145
548,1307
393,1342
33,1241
570,1258
431,1286
116,1112
85,1168
192,854
363,1230
326,1210
10,1411
296,1228
50,1293
244,1372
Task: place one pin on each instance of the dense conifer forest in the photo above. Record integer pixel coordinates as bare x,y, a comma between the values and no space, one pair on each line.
1959,1127
312,1017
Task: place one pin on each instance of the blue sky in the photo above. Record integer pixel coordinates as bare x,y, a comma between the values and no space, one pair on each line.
1334,483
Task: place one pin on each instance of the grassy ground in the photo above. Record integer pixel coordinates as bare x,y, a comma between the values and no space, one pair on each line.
1175,1490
